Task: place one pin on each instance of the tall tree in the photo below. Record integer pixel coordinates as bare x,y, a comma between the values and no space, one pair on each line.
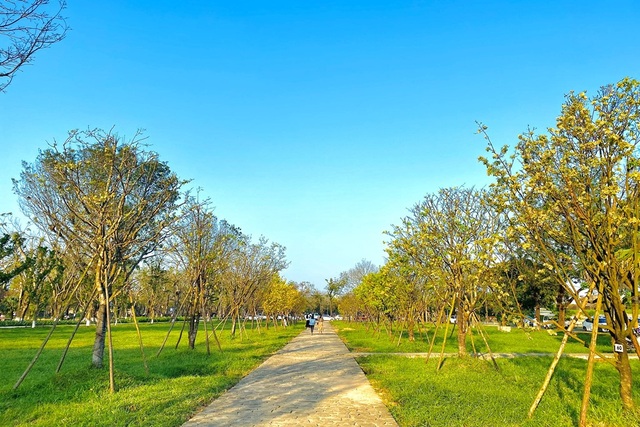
105,199
307,291
532,283
577,187
27,26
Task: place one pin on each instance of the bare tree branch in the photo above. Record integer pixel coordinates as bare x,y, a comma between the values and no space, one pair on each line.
27,26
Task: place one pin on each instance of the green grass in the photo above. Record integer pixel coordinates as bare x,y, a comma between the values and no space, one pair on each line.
471,392
178,384
359,338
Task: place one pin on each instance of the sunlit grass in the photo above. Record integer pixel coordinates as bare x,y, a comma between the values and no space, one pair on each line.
361,337
472,392
179,382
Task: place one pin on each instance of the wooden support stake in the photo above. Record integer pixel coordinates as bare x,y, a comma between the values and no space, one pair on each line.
135,322
36,357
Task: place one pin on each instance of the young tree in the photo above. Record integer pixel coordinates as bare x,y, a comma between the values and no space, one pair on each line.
451,237
347,303
200,247
335,287
27,26
349,306
280,299
38,275
411,290
250,270
577,188
105,199
378,297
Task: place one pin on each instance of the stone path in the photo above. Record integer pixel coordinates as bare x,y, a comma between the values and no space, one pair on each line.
312,381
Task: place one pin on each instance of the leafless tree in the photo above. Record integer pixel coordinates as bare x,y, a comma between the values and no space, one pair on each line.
354,275
27,26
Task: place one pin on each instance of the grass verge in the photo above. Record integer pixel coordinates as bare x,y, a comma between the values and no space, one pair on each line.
360,337
180,381
471,392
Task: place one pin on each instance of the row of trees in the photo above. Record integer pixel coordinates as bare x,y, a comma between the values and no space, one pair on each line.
452,256
116,234
559,224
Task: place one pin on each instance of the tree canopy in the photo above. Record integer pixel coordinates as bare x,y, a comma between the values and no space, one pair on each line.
105,199
573,195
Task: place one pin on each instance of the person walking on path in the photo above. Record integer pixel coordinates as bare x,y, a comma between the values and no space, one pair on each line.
320,324
312,323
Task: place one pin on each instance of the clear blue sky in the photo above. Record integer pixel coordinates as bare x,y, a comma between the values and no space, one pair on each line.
316,124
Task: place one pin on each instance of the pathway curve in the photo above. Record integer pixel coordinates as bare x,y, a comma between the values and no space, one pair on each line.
312,381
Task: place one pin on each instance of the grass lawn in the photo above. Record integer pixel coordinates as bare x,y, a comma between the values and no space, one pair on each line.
472,392
180,381
359,338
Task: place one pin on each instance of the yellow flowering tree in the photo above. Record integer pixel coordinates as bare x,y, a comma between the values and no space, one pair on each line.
449,238
576,188
281,298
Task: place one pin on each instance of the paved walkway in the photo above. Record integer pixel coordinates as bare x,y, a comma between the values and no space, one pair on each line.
312,381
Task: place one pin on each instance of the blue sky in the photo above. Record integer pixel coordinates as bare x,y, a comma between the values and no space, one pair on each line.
316,124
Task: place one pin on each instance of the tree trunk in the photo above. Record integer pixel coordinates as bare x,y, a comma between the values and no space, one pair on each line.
233,326
624,369
101,331
411,327
20,309
23,312
463,322
194,321
194,316
551,370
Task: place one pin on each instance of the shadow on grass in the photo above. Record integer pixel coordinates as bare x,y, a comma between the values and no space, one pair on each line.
172,375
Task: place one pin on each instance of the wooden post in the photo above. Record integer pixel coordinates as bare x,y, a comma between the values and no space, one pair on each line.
589,378
36,357
135,322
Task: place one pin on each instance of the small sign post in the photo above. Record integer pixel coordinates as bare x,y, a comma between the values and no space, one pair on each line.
618,348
